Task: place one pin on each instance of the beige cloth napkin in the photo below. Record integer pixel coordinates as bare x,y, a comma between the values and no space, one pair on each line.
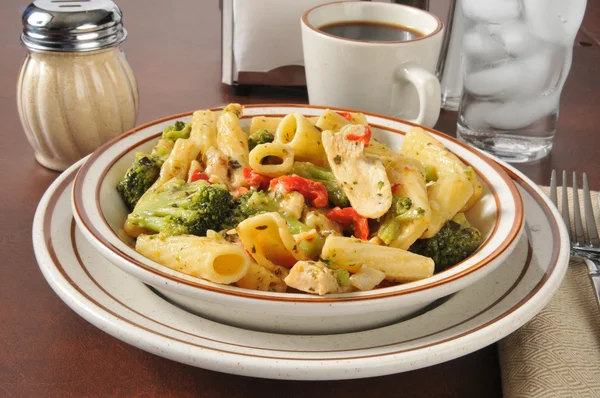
557,354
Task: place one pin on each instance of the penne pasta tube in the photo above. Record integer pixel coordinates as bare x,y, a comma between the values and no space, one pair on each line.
267,123
269,241
204,130
270,124
358,118
447,196
407,177
178,162
201,257
331,120
420,145
232,142
380,151
231,139
262,154
398,265
202,137
303,137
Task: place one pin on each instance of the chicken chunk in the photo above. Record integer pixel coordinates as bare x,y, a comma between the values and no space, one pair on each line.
314,277
363,178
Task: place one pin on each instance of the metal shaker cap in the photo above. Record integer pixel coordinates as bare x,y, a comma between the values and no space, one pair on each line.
72,25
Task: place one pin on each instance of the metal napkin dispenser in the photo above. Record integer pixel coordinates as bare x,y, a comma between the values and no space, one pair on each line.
261,42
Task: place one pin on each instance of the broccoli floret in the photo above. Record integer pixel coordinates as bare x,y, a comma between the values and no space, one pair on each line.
176,131
249,204
456,241
256,202
337,197
141,175
178,208
260,137
401,212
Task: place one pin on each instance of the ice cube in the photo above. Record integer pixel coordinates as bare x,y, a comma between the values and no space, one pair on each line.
556,21
521,77
479,45
515,38
476,113
503,79
520,114
536,71
491,11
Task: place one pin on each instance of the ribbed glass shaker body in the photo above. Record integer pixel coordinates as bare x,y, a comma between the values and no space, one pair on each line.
70,103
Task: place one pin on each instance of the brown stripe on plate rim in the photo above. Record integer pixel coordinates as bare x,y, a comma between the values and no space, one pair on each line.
381,293
545,277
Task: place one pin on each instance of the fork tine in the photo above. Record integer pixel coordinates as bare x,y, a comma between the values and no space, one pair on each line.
579,236
565,205
553,193
590,222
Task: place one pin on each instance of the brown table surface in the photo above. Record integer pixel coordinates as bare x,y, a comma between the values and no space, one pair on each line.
174,48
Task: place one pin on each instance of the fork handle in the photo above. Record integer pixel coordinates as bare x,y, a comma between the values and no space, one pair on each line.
594,273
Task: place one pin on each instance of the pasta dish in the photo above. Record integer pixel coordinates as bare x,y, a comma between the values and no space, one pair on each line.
299,204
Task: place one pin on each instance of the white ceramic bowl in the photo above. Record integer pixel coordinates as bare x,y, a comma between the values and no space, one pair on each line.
100,214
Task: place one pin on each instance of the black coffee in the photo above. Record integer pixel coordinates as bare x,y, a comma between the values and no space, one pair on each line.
371,31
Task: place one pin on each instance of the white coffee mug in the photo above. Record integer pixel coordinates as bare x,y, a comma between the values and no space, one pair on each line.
394,78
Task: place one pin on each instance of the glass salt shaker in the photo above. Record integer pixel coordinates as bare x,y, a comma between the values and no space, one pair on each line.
76,90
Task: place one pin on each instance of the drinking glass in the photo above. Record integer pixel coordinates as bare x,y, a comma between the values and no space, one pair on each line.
517,55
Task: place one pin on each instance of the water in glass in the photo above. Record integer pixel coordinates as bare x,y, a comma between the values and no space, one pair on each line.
517,55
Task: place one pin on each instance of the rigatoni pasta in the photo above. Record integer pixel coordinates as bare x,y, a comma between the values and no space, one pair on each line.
272,159
317,206
268,239
303,137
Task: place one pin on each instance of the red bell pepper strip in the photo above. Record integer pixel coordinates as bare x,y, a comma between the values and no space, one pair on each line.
314,192
198,175
349,217
256,180
364,138
345,115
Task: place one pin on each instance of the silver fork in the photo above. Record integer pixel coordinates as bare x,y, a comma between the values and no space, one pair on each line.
586,249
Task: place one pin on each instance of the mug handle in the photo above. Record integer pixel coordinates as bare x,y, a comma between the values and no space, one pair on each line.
428,88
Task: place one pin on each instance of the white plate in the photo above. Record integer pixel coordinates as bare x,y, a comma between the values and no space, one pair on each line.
475,317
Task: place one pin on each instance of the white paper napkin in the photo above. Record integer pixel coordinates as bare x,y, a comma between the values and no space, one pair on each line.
557,354
266,33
